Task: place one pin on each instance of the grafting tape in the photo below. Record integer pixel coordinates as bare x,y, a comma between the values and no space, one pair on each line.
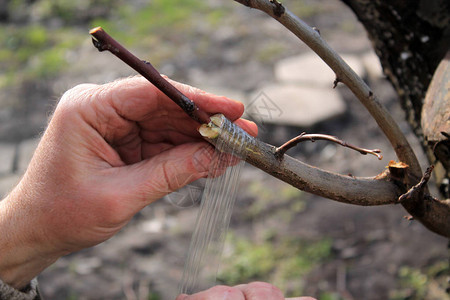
217,202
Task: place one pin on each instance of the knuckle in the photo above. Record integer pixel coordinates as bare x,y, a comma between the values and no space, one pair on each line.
258,289
77,91
221,288
227,292
72,99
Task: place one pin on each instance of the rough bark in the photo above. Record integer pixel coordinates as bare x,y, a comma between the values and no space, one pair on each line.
436,123
411,38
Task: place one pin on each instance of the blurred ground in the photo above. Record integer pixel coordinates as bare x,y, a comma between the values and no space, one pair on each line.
303,243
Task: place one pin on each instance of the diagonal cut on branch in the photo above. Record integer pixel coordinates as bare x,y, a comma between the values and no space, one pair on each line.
314,137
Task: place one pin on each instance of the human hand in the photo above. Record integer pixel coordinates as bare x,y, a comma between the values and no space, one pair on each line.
251,291
108,151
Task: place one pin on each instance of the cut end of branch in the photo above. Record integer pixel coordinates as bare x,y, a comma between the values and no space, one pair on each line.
398,170
213,128
217,120
97,34
95,30
209,132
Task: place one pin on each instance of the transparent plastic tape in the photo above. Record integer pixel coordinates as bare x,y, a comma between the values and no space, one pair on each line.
216,206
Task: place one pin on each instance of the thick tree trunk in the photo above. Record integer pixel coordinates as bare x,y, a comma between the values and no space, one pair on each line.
411,38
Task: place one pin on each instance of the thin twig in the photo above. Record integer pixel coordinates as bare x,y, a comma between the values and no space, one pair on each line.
314,137
418,189
103,41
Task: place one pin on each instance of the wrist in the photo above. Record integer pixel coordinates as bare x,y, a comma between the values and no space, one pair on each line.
22,254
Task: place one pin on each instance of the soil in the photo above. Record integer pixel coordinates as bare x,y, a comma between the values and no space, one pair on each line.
146,259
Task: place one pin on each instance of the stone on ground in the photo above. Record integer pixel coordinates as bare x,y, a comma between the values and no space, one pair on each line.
310,69
294,105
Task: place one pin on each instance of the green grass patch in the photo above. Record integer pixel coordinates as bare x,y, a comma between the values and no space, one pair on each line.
34,52
284,262
330,296
37,48
154,296
159,17
286,198
416,284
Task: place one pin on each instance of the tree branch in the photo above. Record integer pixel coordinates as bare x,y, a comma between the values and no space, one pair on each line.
435,215
103,41
346,189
